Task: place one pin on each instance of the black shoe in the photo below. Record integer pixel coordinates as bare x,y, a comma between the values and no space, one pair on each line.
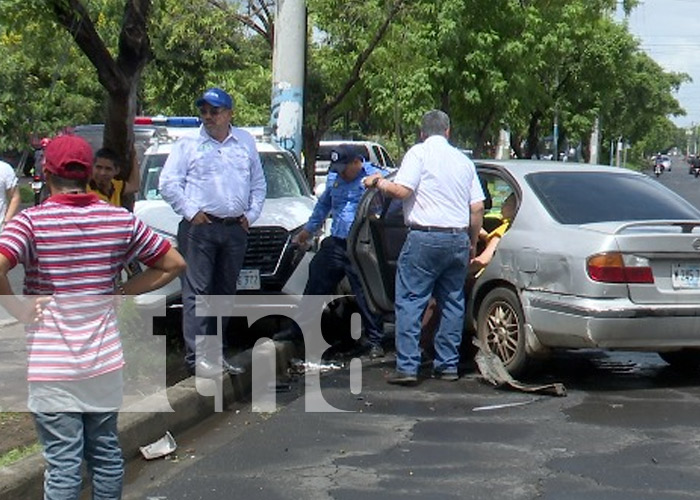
405,379
447,376
376,351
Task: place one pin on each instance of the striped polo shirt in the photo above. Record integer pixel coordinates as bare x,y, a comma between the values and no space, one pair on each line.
73,247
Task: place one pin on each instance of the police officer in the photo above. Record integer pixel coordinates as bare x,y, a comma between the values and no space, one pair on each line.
344,189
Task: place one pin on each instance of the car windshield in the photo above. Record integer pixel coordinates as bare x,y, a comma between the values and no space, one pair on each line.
587,197
282,176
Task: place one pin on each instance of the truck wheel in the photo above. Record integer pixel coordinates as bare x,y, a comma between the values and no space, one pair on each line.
501,329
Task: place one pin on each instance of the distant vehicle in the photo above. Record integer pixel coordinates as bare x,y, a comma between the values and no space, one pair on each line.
665,162
370,151
658,168
596,257
693,164
143,136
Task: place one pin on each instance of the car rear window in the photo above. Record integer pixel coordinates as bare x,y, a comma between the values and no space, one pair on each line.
586,197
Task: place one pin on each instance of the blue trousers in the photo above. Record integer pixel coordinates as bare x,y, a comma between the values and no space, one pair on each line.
214,254
430,264
328,267
67,439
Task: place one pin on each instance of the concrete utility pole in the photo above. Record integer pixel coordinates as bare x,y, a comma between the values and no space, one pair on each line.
288,66
503,148
595,142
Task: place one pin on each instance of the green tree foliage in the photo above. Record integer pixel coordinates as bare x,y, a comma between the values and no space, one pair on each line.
117,60
196,45
373,68
46,83
344,36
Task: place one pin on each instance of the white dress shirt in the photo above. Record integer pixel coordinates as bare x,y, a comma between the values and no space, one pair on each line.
224,179
444,183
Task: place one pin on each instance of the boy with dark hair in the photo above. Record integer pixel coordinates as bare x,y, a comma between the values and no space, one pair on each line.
104,182
73,246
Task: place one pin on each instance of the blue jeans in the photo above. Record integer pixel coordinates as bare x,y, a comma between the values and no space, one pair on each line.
327,269
430,264
67,438
214,254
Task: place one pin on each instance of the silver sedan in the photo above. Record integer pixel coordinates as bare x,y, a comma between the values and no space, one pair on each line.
595,257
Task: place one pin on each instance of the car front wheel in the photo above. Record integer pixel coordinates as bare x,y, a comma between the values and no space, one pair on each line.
501,329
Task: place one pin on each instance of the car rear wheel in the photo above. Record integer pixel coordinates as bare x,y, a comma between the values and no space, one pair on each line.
686,360
501,329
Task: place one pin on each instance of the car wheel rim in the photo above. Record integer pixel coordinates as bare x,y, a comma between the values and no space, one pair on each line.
502,332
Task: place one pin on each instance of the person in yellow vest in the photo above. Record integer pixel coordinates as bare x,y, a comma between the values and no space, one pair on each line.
104,182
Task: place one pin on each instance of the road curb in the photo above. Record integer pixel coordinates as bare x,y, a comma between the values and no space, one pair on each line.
24,479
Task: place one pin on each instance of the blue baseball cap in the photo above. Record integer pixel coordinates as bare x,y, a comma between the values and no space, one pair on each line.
343,154
216,97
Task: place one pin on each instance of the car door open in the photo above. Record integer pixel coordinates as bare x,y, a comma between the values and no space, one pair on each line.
374,245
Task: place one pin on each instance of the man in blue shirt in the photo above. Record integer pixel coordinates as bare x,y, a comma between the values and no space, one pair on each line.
344,189
215,181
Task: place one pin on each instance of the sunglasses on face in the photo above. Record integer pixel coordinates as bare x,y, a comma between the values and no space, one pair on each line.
210,111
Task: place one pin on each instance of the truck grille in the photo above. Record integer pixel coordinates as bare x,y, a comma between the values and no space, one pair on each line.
265,248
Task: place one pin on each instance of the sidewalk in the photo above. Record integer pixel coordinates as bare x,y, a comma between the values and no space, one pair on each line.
24,479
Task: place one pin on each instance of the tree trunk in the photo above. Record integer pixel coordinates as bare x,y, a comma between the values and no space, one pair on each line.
516,143
533,135
482,133
119,77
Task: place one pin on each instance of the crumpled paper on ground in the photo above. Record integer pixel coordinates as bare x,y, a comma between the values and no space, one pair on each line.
164,446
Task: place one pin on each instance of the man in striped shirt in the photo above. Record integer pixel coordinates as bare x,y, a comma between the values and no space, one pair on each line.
73,247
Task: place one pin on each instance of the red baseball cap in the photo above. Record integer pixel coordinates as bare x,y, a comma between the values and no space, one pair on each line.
70,157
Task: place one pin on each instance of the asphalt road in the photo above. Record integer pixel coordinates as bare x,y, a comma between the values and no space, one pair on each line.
680,181
626,430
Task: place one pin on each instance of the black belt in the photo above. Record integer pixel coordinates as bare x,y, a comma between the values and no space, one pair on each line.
438,229
226,221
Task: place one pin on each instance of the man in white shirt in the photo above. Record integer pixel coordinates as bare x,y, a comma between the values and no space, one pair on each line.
443,208
10,201
215,181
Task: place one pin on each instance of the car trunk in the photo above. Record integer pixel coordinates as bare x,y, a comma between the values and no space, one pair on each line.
673,252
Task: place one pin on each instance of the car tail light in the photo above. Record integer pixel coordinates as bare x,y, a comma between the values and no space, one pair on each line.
615,267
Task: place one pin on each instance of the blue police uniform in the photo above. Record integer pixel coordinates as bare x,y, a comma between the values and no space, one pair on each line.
331,262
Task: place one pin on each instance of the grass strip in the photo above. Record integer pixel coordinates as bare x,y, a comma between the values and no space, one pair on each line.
18,453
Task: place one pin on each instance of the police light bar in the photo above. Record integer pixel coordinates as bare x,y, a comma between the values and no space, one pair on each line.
168,121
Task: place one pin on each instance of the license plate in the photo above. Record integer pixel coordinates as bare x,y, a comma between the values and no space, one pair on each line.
36,186
685,275
248,279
